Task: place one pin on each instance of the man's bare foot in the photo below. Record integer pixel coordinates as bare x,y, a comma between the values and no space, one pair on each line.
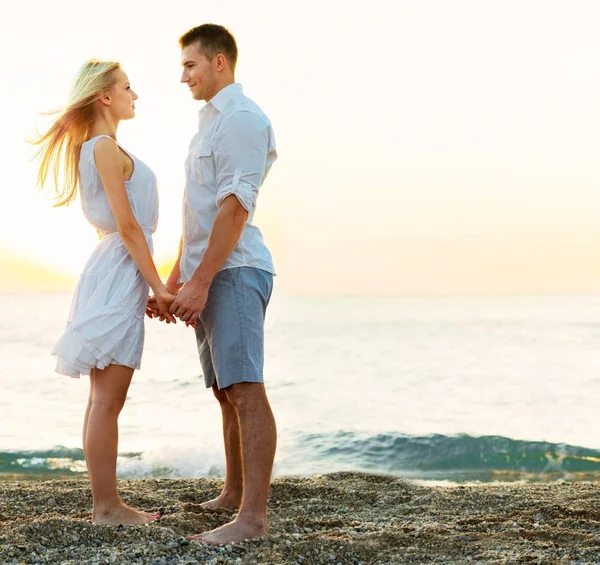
123,514
223,501
238,530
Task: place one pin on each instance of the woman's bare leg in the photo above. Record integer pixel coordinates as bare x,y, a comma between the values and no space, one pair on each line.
109,390
87,415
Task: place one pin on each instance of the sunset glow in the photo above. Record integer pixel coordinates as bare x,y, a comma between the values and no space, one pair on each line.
425,148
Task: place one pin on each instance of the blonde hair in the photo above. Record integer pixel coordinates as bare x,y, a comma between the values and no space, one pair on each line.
61,144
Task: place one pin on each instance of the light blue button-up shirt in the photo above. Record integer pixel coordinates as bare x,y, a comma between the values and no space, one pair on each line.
232,153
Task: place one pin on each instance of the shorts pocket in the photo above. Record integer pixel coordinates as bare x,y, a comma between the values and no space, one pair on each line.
233,275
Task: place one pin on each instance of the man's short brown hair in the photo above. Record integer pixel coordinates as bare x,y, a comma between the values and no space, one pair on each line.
212,39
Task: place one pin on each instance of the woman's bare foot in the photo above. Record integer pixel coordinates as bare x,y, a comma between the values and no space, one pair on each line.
238,530
122,515
223,501
153,515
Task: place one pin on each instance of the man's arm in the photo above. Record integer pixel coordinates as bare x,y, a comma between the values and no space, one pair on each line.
224,235
173,285
241,154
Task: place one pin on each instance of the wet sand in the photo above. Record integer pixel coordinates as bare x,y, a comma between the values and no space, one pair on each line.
345,518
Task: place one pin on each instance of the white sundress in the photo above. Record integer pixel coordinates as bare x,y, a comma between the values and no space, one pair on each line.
106,322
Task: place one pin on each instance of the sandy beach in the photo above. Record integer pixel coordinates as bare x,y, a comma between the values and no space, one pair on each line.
335,518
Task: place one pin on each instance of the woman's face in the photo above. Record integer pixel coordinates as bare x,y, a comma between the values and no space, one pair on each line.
122,98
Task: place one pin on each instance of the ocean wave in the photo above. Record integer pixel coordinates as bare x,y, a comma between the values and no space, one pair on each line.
57,461
456,458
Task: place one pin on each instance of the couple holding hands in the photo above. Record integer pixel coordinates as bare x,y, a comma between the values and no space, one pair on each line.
220,285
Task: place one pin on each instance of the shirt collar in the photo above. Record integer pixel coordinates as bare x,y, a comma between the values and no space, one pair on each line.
222,98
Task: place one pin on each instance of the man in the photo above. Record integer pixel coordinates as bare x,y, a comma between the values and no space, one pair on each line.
224,274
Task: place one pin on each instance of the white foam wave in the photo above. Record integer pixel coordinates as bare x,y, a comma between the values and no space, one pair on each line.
173,462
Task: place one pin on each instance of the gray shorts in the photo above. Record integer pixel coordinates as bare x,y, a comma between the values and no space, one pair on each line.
230,331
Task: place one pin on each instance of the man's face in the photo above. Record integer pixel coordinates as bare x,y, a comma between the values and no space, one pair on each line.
198,73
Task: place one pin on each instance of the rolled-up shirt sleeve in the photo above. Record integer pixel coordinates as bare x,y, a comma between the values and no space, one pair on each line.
241,146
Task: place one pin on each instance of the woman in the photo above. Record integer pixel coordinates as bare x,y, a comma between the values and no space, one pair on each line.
105,331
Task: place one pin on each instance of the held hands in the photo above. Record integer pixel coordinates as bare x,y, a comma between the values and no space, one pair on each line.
190,302
187,305
158,306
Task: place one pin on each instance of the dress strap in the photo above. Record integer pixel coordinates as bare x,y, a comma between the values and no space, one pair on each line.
91,142
88,146
87,167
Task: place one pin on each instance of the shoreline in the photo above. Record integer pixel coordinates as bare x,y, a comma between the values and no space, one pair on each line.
335,518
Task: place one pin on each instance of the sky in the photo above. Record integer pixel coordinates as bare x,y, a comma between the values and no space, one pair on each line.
425,147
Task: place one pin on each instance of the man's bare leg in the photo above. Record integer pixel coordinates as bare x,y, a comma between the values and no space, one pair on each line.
231,496
259,439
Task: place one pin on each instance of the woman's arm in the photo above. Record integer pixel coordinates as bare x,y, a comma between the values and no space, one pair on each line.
108,161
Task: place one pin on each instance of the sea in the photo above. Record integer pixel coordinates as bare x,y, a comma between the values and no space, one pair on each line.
440,390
